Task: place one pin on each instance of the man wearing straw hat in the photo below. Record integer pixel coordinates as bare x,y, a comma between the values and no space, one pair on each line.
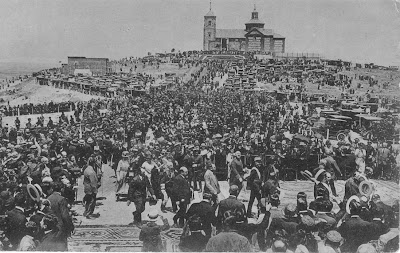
150,233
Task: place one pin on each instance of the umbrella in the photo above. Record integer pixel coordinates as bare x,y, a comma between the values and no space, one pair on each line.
135,107
217,136
301,137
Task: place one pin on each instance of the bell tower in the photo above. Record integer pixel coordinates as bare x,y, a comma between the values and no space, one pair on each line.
210,29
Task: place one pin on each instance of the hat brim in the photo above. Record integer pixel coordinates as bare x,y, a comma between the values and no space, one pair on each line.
354,197
320,171
33,192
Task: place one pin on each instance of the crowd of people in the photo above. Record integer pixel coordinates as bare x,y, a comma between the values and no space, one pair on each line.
28,109
164,146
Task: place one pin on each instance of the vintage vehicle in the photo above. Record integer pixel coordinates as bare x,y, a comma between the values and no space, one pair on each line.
335,126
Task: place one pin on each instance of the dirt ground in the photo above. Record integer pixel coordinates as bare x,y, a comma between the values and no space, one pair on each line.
30,92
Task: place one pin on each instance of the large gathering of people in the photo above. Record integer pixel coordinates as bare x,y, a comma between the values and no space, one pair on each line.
166,145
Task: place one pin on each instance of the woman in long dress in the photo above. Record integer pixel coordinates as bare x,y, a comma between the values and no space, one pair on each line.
122,171
360,154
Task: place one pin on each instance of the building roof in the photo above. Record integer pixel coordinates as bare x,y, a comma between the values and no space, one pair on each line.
210,14
254,21
262,31
241,33
278,36
230,33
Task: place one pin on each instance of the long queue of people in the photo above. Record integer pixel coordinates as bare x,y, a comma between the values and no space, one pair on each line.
28,109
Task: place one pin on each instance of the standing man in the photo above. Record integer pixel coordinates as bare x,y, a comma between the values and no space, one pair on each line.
211,185
236,175
182,194
188,162
16,220
205,211
254,183
91,184
137,193
17,123
198,165
231,204
59,207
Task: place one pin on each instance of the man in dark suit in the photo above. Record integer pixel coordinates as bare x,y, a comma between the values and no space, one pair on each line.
59,207
137,193
378,227
254,184
16,220
324,208
205,211
388,213
351,186
355,230
231,203
288,223
182,193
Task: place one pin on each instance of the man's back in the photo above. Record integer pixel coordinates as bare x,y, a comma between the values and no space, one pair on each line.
16,225
355,231
59,207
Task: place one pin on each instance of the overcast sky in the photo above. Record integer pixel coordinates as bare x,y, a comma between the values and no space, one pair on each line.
51,30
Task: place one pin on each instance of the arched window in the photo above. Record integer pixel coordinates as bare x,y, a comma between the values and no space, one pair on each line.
209,22
209,35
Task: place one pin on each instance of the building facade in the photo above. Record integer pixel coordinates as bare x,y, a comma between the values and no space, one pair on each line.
253,38
96,66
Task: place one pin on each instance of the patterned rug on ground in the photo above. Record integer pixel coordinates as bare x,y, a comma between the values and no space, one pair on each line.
117,238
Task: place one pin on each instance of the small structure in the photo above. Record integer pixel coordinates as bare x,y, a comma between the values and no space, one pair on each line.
97,66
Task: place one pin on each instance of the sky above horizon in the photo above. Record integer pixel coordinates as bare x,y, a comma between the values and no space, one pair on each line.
48,30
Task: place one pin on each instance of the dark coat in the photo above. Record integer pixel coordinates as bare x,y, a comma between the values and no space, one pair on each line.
350,189
16,220
254,181
378,228
150,234
206,213
59,207
138,188
181,189
321,190
355,231
231,203
51,242
196,242
287,224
